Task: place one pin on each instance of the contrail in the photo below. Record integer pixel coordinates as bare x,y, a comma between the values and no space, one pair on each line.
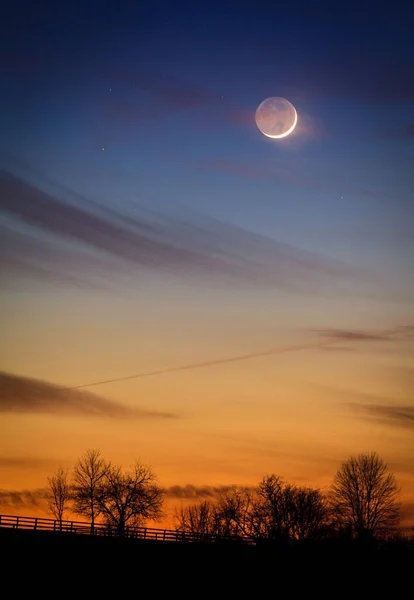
209,363
337,336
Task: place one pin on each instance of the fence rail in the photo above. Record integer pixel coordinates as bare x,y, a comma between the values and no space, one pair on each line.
100,529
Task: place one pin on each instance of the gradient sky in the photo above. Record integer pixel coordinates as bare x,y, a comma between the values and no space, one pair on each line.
262,289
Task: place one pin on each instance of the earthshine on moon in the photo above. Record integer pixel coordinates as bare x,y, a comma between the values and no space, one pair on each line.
276,117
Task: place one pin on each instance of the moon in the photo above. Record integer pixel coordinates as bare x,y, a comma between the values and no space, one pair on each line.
276,117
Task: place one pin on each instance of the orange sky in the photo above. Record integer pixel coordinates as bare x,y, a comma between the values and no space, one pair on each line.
296,413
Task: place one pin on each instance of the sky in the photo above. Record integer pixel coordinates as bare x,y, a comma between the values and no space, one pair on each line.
177,288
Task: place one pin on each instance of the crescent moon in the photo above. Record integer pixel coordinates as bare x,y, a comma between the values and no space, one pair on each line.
286,133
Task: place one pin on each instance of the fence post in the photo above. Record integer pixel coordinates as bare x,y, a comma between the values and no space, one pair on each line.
35,524
17,522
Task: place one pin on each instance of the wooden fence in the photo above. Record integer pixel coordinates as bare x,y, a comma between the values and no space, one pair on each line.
83,528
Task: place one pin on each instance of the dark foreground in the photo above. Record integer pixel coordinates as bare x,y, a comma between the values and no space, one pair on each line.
116,567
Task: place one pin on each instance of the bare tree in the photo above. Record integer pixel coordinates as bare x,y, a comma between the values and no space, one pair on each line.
365,496
283,511
234,511
129,497
309,515
199,518
269,517
58,493
88,475
228,515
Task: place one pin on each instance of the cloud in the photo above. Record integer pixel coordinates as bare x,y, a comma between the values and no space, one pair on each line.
403,465
405,133
407,512
228,167
151,95
392,415
26,395
24,254
259,171
359,335
11,500
18,462
366,80
346,335
336,349
107,244
194,492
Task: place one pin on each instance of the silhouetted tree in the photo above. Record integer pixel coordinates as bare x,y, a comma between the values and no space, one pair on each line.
269,518
233,512
228,515
129,497
284,511
275,510
365,496
58,493
309,515
88,475
200,518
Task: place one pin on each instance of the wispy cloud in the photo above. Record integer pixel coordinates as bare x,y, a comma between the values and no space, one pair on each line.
407,513
259,171
26,254
344,335
26,395
11,500
229,167
360,335
151,95
392,415
336,349
24,462
365,80
404,133
197,492
177,246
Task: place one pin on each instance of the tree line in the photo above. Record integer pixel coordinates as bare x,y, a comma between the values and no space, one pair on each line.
362,502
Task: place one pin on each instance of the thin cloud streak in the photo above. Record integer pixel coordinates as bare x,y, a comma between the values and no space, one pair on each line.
348,335
327,338
392,415
210,363
197,492
24,462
